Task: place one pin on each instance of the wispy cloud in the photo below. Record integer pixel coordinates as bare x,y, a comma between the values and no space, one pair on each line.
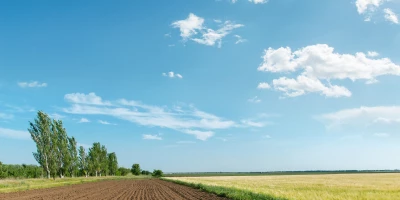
254,100
6,116
90,99
186,142
391,16
239,39
381,134
84,120
172,75
185,119
33,84
151,137
56,116
193,28
105,122
14,134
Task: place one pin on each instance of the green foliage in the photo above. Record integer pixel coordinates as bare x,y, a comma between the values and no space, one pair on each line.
122,171
144,172
135,169
20,171
157,173
73,153
83,161
112,164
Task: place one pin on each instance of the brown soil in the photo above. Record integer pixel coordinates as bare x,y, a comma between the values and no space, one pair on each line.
123,189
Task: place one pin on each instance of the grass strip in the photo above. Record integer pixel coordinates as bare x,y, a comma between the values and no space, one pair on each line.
232,193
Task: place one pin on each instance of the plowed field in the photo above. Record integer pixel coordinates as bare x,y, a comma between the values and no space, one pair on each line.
122,189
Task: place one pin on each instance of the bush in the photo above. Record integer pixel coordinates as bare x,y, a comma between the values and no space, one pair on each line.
135,169
144,172
157,173
122,171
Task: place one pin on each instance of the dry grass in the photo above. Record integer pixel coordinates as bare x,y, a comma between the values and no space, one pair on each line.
309,187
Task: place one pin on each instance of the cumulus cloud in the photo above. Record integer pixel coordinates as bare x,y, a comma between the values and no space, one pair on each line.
369,7
193,28
14,134
391,16
263,86
319,65
33,84
188,119
172,75
151,137
364,6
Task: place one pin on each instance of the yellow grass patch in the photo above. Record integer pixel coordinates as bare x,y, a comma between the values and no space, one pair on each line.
309,187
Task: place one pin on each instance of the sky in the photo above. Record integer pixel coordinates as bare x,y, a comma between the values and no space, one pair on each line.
207,85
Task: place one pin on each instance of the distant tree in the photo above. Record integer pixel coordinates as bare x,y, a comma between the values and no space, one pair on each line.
103,161
73,153
63,155
144,172
136,169
157,173
46,143
83,162
94,158
112,163
122,171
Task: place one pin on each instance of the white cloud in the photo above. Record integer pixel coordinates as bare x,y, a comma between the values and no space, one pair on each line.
258,1
259,121
391,16
303,85
151,137
90,99
106,122
239,39
381,134
254,100
193,25
362,116
6,116
14,134
252,123
263,86
368,5
32,84
84,120
253,1
320,62
187,120
189,26
372,54
172,75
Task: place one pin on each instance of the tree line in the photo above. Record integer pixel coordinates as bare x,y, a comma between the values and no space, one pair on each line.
58,155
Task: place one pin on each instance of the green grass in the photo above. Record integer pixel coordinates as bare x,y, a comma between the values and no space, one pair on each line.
379,186
232,193
15,185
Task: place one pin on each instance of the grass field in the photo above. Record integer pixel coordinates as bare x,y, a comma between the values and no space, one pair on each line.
380,186
14,185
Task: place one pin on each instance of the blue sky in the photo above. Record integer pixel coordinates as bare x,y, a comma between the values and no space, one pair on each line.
205,85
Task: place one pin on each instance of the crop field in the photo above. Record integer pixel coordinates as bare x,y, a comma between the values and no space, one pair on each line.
116,189
15,185
309,187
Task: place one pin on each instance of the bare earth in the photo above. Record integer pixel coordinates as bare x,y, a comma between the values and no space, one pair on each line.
122,189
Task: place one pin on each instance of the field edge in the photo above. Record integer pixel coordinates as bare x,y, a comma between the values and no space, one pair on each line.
232,193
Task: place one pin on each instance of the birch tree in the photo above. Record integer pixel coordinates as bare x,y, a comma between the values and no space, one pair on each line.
83,162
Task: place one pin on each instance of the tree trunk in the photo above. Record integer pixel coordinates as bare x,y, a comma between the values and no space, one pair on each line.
96,173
